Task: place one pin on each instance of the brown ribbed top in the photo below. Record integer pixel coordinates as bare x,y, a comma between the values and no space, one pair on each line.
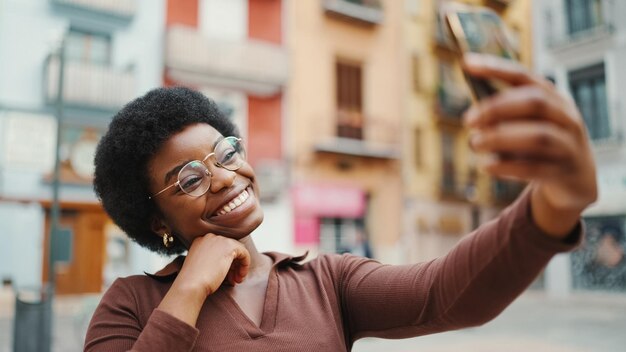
331,301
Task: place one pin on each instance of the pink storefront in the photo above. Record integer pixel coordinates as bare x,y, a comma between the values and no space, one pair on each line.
331,216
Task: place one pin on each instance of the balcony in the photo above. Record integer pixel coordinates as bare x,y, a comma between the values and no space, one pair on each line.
89,86
564,33
454,185
498,4
363,12
104,13
452,102
370,138
256,67
504,192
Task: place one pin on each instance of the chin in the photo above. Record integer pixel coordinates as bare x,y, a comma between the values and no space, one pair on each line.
246,227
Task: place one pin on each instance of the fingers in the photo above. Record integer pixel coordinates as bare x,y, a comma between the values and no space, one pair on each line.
524,103
228,258
527,150
524,169
521,139
511,72
241,263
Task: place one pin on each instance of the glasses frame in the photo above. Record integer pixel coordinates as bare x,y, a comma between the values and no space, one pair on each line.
208,173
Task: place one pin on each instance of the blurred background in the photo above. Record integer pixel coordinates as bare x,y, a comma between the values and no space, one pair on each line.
351,111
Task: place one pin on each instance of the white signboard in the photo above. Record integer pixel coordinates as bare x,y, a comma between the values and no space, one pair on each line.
29,141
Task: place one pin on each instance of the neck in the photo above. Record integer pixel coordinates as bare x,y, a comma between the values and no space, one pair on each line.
259,262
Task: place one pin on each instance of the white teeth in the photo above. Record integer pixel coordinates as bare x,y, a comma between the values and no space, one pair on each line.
237,201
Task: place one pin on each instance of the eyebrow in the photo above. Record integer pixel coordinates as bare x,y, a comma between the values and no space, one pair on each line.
177,168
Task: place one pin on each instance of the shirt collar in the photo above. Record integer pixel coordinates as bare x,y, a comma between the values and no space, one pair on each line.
170,271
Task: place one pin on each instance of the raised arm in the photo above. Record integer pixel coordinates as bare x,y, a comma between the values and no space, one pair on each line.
534,134
538,135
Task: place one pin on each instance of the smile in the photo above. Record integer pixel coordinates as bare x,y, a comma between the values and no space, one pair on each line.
236,202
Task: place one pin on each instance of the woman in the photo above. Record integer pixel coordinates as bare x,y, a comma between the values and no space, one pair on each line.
171,173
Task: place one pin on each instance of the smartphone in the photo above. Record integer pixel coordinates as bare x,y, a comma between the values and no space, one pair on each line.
480,30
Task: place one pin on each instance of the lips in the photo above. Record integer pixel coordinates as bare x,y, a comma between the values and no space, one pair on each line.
233,204
238,201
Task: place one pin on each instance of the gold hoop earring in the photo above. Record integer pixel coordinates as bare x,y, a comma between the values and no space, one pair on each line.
167,240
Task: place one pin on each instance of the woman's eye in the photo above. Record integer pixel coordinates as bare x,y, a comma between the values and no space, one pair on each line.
191,182
227,156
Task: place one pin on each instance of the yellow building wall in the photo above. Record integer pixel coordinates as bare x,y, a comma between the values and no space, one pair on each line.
316,41
432,218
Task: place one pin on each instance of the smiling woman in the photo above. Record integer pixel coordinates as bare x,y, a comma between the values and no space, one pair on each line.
171,172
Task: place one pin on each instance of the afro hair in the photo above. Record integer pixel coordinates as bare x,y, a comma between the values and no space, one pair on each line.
135,134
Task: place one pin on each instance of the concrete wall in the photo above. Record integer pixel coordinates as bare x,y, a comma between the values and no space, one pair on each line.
29,31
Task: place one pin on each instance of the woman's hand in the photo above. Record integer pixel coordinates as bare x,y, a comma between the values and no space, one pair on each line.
537,135
211,260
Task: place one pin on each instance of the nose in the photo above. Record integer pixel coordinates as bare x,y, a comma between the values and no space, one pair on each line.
221,178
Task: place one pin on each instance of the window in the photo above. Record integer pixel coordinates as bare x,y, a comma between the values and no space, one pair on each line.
419,163
448,181
452,99
583,15
415,68
87,47
349,100
588,86
344,235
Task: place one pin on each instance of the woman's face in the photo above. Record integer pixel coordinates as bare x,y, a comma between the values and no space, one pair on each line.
189,217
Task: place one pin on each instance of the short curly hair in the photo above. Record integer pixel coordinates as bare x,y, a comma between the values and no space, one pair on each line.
135,134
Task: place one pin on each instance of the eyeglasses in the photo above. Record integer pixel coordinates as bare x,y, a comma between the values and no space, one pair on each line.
195,178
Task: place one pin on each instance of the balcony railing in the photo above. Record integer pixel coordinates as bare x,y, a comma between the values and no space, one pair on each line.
367,12
373,138
89,85
451,102
257,67
563,32
122,9
455,185
504,192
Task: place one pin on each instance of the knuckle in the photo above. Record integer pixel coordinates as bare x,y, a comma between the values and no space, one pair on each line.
543,139
537,102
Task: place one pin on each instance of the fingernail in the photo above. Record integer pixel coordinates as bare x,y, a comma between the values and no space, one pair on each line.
473,59
476,139
471,116
484,160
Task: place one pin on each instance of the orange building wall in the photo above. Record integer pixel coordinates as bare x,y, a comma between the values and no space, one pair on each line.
182,12
265,20
264,128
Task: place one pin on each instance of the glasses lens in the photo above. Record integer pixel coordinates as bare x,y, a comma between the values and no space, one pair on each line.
229,153
194,178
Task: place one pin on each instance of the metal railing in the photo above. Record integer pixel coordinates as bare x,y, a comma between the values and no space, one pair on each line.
373,137
506,191
368,12
561,30
252,65
451,102
89,85
124,8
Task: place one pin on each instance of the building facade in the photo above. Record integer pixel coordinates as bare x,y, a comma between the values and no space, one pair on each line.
581,45
446,194
233,51
111,54
345,113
